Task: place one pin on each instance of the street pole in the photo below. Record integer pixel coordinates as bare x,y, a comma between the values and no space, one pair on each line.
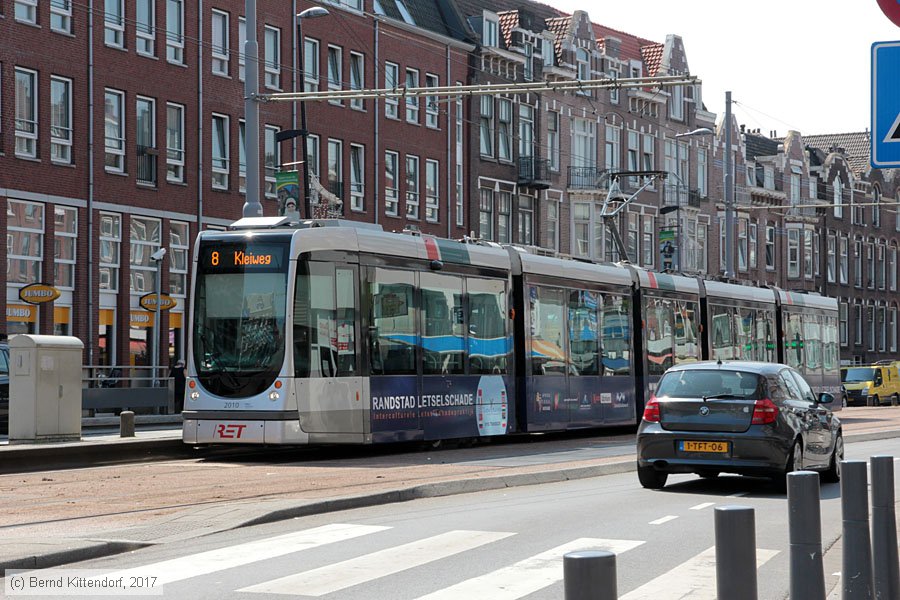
681,183
729,194
158,256
252,206
309,13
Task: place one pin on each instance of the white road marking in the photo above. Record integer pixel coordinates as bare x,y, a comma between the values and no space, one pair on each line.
331,578
662,520
694,579
702,506
204,563
738,495
527,576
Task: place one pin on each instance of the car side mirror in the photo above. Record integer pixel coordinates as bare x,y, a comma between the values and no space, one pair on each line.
825,398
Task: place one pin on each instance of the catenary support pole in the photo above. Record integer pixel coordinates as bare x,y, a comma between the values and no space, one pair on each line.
590,575
885,570
805,526
856,572
735,553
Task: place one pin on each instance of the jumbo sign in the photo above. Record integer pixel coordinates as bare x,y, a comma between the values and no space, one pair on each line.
148,302
38,293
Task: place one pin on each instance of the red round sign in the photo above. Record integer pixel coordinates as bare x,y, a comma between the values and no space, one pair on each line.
891,8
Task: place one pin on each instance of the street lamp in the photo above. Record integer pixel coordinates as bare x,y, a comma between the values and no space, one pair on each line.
701,131
252,205
309,13
157,257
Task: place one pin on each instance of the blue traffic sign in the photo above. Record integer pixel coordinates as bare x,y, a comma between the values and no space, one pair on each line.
885,104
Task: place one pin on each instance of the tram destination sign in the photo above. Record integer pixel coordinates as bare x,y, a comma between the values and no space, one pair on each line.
230,257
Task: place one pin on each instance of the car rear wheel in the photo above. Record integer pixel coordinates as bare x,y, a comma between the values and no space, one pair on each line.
833,474
794,463
651,479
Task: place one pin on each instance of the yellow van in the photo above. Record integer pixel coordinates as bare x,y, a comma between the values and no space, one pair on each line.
872,385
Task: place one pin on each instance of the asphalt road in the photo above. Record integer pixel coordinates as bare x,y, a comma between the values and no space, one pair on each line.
496,545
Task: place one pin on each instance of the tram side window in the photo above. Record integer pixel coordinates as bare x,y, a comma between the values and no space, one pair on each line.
658,314
793,341
393,336
722,340
443,338
765,336
546,343
687,347
812,343
488,343
584,332
615,340
830,350
324,321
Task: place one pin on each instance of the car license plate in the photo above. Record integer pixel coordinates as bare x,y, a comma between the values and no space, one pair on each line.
698,446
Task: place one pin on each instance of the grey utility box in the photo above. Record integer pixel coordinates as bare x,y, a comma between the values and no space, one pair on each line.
44,388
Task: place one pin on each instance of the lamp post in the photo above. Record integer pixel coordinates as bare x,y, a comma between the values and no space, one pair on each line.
309,13
157,257
701,131
252,205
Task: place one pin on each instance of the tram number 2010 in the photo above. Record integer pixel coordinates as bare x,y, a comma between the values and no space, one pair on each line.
232,405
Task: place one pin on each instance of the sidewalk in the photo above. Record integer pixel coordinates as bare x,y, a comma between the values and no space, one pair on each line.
136,513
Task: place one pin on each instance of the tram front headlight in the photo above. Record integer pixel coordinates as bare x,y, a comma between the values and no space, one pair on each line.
273,395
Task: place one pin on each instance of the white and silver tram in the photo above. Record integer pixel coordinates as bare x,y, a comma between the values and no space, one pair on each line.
333,332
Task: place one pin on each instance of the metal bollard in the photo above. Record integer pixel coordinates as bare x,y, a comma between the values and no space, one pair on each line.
856,572
126,423
590,575
805,525
885,568
735,553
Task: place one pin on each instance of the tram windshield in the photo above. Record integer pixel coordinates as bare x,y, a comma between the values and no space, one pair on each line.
239,316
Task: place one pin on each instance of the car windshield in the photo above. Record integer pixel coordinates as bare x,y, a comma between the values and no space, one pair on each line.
857,374
719,383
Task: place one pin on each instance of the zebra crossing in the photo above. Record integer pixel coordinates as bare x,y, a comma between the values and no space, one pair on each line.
694,578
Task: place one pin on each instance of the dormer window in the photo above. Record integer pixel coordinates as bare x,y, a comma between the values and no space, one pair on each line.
407,17
490,31
528,48
583,59
547,52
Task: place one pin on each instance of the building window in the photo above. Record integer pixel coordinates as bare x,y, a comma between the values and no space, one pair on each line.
526,220
892,329
770,247
858,263
145,27
175,31
412,102
65,235
702,257
175,143
178,257
892,268
632,156
310,65
676,106
871,329
504,217
336,167
583,64
487,126
753,244
528,70
742,244
702,172
490,31
273,57
547,52
526,131
431,102
876,207
61,120
807,254
145,240
870,266
831,260
61,16
110,251
486,214
504,129
882,329
793,253
432,187
24,242
312,155
844,260
115,131
357,78
647,238
357,177
613,141
145,139
26,113
391,188
795,189
272,155
26,11
842,317
220,49
391,82
881,266
412,187
858,324
114,23
581,218
613,73
551,239
335,71
553,139
838,188
220,152
242,41
242,157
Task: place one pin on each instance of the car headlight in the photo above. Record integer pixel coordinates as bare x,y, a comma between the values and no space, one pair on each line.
865,391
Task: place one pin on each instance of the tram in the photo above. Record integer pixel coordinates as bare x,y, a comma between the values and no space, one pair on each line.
336,332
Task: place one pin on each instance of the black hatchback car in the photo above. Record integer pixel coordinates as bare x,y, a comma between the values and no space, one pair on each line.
749,418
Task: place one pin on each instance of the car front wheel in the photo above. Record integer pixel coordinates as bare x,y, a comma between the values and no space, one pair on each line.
651,479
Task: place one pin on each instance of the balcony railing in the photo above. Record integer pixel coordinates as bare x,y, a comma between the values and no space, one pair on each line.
146,164
587,178
534,172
